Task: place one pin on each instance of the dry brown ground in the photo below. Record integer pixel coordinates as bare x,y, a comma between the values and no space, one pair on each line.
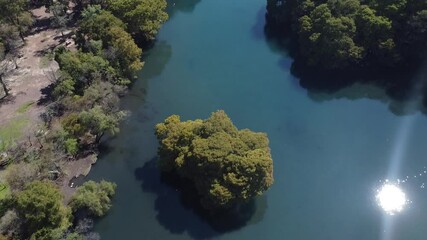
34,74
31,80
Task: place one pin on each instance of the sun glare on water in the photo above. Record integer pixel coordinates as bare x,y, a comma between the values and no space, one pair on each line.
391,198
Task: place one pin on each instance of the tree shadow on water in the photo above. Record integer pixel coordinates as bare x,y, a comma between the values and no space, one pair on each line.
186,6
161,52
179,210
402,88
257,30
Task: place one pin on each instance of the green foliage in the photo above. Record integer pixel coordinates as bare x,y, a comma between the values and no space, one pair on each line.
60,16
72,146
327,40
337,34
65,86
227,166
97,121
24,107
48,234
18,175
121,50
11,9
94,197
72,125
4,191
11,132
81,69
9,39
143,17
15,13
41,207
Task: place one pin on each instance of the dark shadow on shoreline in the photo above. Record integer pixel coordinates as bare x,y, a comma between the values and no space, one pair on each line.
257,30
186,6
404,89
161,52
179,209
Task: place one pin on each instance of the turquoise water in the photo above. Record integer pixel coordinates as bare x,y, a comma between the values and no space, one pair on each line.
330,150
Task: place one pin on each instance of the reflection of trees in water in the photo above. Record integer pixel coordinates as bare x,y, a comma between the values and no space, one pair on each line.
181,5
179,209
161,54
399,88
185,5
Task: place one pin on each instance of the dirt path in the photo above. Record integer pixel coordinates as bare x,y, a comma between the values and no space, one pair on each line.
34,74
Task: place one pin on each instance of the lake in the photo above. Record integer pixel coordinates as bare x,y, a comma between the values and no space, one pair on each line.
332,151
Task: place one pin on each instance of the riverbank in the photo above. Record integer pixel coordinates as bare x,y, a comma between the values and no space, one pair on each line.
29,93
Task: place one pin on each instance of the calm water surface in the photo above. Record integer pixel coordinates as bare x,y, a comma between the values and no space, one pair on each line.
330,150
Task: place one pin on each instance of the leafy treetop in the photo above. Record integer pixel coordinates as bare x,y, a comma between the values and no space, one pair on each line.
228,166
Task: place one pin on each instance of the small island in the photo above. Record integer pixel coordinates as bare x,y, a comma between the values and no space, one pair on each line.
227,166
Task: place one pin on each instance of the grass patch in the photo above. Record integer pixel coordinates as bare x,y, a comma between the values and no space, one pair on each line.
46,59
11,132
24,107
4,191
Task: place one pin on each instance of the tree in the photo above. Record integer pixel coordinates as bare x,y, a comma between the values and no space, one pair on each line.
102,25
227,166
60,15
143,17
97,122
375,33
328,41
79,70
344,34
40,206
15,13
9,51
19,174
416,31
10,223
93,197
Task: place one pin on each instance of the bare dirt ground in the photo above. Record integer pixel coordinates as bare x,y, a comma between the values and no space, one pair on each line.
30,82
73,169
35,72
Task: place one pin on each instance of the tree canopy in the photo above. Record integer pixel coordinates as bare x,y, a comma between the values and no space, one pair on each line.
16,13
337,34
143,17
94,197
40,205
228,166
121,50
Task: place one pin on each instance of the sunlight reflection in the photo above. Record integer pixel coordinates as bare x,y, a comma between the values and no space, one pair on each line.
391,198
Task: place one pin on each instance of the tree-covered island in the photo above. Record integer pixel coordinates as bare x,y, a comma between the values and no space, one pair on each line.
227,166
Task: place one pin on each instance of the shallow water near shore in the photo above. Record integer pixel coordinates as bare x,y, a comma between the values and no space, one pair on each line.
331,151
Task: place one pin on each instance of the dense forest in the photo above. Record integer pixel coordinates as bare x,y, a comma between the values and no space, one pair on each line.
346,34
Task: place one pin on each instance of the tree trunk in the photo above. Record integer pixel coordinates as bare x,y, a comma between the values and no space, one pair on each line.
21,35
3,84
98,137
